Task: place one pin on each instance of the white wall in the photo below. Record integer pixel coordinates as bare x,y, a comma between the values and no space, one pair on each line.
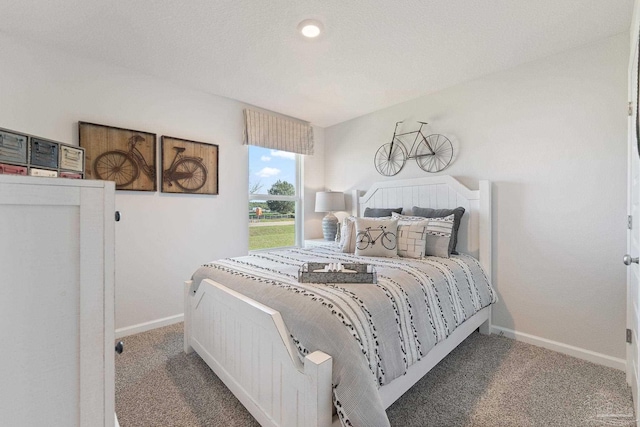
551,135
161,238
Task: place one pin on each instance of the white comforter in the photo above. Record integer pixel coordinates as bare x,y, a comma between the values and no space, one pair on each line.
373,332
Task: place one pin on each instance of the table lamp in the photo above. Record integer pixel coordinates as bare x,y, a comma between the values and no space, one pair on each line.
329,201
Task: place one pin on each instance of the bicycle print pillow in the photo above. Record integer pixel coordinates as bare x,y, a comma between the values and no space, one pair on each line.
348,234
375,237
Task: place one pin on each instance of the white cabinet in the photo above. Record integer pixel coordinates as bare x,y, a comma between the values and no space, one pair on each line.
56,302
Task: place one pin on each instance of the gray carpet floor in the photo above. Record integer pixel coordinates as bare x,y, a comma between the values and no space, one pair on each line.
486,382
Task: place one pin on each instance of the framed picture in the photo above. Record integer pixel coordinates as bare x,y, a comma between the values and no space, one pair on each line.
125,156
189,166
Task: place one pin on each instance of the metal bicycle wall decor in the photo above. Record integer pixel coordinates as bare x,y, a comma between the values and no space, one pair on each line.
433,153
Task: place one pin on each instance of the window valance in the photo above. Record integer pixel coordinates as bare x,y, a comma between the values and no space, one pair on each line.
278,133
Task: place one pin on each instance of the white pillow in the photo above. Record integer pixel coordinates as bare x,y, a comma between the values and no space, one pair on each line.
412,238
376,237
348,233
438,232
438,236
408,217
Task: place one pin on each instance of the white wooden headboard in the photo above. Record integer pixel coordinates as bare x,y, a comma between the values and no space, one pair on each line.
439,192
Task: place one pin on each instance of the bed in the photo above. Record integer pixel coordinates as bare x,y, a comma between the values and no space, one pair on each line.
297,358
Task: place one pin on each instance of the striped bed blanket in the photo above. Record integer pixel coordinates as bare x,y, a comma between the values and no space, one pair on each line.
373,332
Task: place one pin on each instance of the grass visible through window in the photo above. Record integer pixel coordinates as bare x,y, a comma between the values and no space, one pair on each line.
267,235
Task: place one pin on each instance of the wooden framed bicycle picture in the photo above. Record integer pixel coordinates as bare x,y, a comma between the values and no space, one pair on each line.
125,156
189,166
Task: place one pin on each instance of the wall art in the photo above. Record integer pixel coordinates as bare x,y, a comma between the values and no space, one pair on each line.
125,156
189,166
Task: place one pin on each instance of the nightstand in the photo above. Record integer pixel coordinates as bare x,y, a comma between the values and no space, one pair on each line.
314,243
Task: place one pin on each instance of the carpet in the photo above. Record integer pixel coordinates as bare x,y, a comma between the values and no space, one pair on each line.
488,381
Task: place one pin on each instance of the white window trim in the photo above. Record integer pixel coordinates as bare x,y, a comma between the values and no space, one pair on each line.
298,198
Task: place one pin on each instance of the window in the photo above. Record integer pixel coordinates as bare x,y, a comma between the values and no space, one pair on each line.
275,213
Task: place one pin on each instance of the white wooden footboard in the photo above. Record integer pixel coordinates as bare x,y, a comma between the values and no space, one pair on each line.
248,346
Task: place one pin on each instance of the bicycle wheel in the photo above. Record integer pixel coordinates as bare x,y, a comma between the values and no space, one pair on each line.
362,240
434,153
189,174
116,166
390,160
389,240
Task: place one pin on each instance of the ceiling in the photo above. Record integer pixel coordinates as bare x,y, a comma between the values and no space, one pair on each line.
373,53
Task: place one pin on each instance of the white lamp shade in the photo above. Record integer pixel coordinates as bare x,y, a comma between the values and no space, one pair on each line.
329,201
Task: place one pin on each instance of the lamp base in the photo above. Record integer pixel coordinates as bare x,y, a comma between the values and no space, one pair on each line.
329,227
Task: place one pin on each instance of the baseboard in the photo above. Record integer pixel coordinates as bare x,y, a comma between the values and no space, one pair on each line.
580,353
147,326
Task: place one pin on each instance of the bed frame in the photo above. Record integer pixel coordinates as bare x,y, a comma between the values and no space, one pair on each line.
249,347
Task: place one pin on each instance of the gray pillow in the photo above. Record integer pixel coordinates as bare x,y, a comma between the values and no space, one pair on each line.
376,213
441,213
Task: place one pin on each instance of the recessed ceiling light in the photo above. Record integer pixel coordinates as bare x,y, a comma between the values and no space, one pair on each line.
310,28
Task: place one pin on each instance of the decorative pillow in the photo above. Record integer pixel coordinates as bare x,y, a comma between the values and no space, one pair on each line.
375,237
439,232
348,235
441,213
377,213
412,238
408,218
338,238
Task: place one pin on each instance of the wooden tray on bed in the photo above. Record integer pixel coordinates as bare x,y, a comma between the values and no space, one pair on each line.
364,273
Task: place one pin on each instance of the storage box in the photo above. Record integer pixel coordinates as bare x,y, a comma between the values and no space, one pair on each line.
13,147
71,158
363,273
44,153
42,172
12,170
70,175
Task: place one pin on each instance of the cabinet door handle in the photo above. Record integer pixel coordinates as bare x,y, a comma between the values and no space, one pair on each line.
117,216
